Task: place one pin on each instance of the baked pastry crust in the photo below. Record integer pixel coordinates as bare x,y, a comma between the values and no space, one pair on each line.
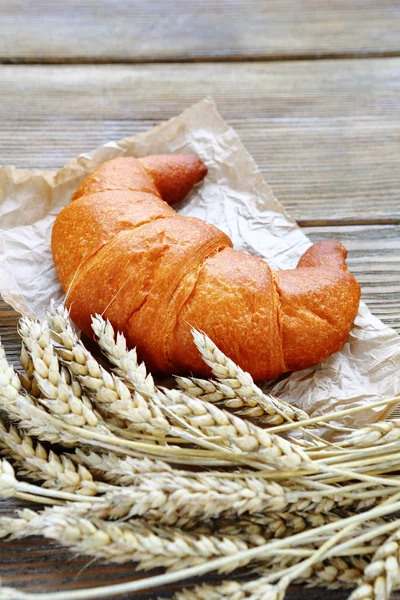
122,251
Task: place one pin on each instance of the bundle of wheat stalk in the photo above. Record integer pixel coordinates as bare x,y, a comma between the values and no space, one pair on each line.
204,477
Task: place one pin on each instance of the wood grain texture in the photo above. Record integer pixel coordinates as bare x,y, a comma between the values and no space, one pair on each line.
326,134
165,30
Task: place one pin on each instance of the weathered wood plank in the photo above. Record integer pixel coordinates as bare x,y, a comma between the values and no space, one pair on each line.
164,30
326,134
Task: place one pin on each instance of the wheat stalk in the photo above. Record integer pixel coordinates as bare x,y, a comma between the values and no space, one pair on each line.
290,515
220,563
237,434
38,423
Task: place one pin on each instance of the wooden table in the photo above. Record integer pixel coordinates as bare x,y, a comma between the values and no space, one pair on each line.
313,89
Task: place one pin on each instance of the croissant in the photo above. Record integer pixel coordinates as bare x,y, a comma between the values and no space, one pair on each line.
122,251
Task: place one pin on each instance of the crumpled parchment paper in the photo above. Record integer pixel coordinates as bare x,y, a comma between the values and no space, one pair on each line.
234,197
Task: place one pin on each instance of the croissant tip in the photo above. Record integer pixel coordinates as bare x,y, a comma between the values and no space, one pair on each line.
203,170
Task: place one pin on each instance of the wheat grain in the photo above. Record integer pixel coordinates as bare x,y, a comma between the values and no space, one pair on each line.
208,390
8,482
250,397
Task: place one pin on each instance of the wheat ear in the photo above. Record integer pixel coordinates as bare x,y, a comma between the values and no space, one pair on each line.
232,590
31,334
382,574
249,397
56,471
149,546
107,389
216,564
38,423
333,573
238,434
383,432
119,470
177,499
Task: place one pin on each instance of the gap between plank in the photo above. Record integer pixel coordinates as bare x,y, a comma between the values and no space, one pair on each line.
83,60
348,222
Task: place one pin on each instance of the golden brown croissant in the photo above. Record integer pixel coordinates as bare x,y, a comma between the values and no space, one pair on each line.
121,250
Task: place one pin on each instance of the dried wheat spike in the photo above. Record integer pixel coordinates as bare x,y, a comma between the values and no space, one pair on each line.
333,573
125,361
56,471
249,397
148,545
32,333
120,470
232,590
382,574
383,432
238,434
175,499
